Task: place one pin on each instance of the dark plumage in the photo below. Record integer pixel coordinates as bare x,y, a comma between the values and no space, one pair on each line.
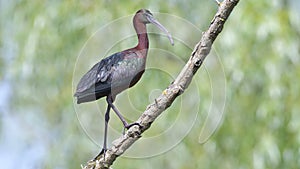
111,75
119,71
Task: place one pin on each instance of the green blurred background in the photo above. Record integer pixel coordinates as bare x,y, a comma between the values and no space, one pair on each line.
259,50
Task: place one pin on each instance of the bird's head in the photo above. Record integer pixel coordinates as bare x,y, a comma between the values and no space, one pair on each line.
145,16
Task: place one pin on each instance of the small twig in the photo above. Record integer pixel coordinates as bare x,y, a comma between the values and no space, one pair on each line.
178,87
218,2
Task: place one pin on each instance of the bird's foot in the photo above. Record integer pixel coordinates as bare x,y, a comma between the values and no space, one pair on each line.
132,124
103,151
127,126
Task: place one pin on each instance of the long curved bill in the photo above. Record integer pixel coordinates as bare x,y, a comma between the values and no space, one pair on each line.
162,28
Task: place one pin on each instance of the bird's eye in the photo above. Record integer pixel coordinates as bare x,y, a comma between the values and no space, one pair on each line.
148,12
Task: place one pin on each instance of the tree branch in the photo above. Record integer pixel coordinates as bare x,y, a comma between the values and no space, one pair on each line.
182,81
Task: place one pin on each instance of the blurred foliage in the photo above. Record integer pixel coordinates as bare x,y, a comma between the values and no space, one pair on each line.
258,47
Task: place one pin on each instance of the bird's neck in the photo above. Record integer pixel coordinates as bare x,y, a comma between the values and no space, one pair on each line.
141,31
143,41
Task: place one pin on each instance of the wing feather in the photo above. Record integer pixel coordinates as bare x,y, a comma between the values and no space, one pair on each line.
100,72
111,75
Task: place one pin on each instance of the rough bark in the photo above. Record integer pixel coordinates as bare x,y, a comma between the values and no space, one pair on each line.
175,89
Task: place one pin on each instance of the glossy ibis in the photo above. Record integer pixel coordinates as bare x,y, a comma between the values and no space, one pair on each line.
120,71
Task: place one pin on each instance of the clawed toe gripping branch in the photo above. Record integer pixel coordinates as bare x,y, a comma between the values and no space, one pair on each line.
161,103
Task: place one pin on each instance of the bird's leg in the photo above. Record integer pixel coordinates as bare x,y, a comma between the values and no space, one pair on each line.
104,148
126,125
